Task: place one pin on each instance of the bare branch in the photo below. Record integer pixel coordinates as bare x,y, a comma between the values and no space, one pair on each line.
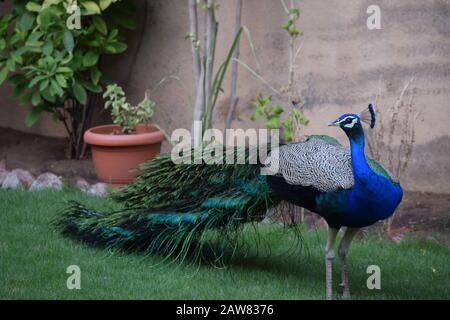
193,21
252,47
259,77
284,6
211,33
199,98
399,120
234,68
297,52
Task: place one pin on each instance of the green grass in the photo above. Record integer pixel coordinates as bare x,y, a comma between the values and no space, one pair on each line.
34,258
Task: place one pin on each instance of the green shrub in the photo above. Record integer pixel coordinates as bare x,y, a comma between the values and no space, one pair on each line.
55,68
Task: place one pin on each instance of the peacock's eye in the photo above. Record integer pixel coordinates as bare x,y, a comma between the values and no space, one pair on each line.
348,120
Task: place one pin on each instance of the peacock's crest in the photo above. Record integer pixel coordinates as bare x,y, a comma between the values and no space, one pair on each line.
368,116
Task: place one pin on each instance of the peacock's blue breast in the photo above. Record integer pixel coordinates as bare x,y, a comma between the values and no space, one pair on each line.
369,201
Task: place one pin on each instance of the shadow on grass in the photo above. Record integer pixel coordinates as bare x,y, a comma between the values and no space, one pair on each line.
248,250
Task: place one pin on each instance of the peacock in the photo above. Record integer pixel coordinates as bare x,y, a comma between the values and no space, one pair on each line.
197,210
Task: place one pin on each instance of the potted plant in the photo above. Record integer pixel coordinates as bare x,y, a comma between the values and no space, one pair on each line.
120,147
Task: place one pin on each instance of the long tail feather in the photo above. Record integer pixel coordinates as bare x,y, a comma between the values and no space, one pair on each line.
176,210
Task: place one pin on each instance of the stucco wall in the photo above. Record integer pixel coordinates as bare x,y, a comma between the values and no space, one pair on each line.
338,69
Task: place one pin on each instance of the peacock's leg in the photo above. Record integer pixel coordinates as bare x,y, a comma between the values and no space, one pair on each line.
344,246
329,256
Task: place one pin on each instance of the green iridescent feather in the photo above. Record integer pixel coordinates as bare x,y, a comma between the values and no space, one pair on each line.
177,210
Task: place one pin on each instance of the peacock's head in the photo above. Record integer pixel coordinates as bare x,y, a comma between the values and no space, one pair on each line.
352,123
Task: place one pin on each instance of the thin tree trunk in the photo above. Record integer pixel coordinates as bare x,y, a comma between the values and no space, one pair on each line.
234,69
292,41
88,121
199,98
63,118
75,128
81,128
73,138
193,21
211,33
75,125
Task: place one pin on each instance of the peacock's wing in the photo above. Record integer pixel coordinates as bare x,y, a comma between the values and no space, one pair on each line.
325,138
318,162
378,168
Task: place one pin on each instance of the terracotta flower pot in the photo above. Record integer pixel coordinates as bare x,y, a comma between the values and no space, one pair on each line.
114,155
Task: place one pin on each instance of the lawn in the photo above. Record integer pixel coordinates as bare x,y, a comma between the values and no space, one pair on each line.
34,258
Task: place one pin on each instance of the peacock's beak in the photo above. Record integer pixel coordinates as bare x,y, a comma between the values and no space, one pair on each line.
334,123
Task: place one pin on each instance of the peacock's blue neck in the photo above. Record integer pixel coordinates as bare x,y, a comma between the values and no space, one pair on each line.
359,163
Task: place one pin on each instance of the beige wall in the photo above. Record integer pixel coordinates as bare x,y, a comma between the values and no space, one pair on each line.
338,69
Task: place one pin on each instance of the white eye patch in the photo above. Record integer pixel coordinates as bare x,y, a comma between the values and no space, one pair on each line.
350,124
